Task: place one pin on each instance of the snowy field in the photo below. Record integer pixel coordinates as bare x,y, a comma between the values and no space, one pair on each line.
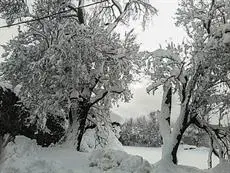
196,157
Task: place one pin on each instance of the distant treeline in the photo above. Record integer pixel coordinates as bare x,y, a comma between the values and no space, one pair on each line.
144,131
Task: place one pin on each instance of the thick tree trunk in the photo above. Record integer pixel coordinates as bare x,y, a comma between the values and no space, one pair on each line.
164,118
82,122
172,138
177,136
169,151
79,112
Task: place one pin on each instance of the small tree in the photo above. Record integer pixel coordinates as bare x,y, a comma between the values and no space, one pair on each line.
195,73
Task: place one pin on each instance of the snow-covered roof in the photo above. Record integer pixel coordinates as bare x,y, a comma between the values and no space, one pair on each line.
116,118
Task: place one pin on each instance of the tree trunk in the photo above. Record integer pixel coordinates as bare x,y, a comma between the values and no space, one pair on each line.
177,139
82,121
79,112
172,138
164,119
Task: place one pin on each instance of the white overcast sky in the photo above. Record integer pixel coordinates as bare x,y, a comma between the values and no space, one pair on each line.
160,30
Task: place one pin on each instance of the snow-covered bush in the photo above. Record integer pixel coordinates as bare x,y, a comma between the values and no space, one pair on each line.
95,138
13,114
15,119
112,161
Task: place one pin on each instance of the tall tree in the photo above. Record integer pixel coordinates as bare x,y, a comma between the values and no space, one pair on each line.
198,71
71,62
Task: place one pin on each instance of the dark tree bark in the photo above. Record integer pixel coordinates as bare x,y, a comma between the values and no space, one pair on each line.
78,111
176,146
83,113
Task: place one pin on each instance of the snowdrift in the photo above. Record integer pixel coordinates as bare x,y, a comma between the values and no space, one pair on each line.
21,156
223,167
112,161
25,156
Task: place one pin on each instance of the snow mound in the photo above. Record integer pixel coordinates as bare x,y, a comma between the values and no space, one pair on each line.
168,167
113,161
21,156
223,167
92,140
21,147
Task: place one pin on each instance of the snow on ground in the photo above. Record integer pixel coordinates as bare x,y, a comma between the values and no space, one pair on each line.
114,161
24,156
196,157
153,155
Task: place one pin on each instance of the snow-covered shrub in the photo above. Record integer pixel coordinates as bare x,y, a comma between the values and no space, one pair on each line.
55,128
15,119
13,114
95,138
112,161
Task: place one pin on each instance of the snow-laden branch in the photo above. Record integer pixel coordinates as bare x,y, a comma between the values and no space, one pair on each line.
166,54
51,15
102,93
99,97
155,85
139,6
166,66
201,123
117,5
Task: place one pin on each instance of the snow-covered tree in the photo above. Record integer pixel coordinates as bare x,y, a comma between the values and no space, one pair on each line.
198,71
142,131
68,60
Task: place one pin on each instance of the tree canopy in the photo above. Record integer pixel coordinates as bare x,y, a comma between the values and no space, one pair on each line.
69,60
